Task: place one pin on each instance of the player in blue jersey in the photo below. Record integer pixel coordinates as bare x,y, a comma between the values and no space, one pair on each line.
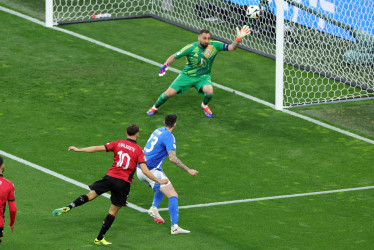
161,144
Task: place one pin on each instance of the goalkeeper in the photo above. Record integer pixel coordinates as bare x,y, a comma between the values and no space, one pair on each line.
200,56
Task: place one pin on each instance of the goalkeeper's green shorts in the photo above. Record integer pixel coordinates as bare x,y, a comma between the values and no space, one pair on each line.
183,82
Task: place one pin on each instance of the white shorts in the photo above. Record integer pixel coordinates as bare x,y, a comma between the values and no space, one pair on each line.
154,185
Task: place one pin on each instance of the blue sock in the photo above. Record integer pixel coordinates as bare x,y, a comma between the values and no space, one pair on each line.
157,198
173,210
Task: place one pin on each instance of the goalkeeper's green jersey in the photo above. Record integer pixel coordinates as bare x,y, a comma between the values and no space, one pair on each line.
200,60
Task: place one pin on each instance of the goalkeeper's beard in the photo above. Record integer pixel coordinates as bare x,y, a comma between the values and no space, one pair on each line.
204,45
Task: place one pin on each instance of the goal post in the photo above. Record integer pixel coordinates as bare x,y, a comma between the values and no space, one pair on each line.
279,59
49,13
324,49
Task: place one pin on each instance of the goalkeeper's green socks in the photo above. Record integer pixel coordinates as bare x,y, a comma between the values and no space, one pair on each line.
161,100
207,98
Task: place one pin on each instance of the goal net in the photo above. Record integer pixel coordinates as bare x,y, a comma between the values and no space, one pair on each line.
329,52
328,45
75,11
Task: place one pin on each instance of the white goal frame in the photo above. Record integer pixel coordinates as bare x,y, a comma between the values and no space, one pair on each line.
279,59
49,13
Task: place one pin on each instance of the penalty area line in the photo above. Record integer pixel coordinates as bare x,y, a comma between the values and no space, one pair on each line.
142,210
273,197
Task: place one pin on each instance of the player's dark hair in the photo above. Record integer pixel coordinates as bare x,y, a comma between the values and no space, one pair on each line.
204,31
170,120
132,129
1,160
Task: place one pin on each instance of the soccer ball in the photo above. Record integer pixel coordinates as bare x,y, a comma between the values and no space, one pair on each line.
253,11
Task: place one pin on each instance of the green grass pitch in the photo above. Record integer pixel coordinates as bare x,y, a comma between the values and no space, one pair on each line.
58,90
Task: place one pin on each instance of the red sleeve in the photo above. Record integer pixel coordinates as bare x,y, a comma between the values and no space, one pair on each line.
12,206
11,196
110,146
12,212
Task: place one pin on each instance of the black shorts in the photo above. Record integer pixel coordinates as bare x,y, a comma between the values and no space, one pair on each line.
119,189
1,232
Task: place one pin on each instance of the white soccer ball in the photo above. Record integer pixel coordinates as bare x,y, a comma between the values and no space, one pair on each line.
253,11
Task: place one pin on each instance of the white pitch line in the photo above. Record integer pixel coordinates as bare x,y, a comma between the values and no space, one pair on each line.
142,210
255,99
62,177
34,20
273,197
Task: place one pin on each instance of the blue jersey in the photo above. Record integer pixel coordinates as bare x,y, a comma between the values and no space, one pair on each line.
159,144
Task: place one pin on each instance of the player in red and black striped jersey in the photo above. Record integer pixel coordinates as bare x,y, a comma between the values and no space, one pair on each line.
6,195
127,154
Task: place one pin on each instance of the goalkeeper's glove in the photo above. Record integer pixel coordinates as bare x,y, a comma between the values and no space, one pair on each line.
163,69
242,33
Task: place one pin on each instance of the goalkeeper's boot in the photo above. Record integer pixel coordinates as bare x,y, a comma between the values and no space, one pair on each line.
152,111
103,241
175,229
157,217
60,211
207,111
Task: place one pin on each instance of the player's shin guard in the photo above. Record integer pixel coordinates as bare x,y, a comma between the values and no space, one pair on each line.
173,210
106,225
79,201
207,98
161,100
157,198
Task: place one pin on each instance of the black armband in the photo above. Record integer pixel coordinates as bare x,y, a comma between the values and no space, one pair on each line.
226,47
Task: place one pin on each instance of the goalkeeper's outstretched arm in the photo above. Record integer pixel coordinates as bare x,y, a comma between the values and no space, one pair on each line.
170,60
240,34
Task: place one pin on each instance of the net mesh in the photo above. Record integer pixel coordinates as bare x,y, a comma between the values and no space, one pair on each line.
336,69
70,11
